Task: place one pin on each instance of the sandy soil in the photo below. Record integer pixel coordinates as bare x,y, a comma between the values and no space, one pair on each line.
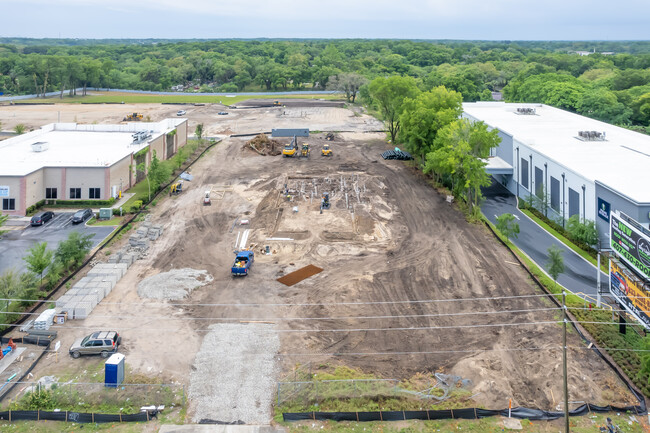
396,239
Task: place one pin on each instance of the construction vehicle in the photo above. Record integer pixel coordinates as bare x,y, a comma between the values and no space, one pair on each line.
206,199
326,150
325,202
291,149
243,261
176,188
277,104
305,150
133,117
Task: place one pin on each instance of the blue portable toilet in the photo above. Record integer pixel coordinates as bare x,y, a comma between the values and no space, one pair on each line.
114,370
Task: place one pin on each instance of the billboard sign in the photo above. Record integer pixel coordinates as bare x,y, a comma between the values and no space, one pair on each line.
631,245
603,209
4,191
630,293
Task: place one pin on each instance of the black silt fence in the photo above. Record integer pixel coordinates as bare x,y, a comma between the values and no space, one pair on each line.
468,413
77,417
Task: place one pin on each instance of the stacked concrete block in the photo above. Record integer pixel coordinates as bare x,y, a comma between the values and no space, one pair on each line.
81,310
139,241
127,259
45,319
115,257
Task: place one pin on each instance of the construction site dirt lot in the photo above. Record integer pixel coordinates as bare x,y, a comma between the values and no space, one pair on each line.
405,279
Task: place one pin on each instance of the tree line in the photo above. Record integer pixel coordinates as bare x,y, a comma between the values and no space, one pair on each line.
613,87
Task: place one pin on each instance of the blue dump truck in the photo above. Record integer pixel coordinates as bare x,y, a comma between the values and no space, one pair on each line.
243,261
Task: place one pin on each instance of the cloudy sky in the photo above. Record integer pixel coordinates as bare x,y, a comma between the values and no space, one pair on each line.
409,19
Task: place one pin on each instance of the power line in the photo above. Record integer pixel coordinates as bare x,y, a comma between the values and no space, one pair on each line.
320,304
282,319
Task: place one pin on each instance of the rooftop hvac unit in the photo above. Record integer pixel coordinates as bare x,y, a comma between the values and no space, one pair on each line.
526,111
141,136
40,146
592,135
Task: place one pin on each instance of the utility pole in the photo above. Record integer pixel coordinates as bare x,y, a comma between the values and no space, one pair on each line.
564,368
598,277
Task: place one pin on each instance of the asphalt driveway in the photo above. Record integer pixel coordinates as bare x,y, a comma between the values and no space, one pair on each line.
579,275
15,243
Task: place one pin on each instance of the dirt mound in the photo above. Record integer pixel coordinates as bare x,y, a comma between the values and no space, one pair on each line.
264,145
173,285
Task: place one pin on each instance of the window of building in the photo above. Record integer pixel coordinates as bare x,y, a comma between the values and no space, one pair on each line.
524,173
94,193
539,182
574,202
8,204
555,194
75,193
50,193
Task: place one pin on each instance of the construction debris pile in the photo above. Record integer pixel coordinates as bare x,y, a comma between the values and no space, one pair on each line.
173,285
265,146
138,244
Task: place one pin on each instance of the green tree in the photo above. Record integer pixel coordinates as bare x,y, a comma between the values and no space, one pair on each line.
158,173
9,286
555,262
19,129
199,131
347,82
388,94
583,231
38,259
73,250
425,115
507,226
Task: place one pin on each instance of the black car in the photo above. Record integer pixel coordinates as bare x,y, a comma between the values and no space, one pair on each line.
42,218
222,113
81,216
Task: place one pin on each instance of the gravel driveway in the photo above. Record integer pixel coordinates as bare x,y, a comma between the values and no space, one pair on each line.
233,377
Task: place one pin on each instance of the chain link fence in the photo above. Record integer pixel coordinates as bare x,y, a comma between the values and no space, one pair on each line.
95,397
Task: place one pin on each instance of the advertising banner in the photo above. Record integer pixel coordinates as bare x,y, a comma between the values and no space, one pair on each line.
631,245
603,209
630,293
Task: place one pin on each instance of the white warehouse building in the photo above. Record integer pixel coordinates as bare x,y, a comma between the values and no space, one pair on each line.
583,166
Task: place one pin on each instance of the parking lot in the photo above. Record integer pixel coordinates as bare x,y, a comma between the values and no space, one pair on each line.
15,243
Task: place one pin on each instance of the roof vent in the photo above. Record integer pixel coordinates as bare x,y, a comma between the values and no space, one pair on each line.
591,136
40,146
526,111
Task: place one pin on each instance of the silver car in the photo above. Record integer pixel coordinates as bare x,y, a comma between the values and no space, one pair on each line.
102,343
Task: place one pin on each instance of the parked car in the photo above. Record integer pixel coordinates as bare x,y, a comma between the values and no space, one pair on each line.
222,113
41,218
181,113
81,216
101,343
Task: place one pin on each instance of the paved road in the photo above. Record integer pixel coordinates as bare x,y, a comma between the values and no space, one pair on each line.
579,275
15,243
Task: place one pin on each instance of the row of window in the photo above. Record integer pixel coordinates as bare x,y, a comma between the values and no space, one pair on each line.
51,193
93,193
574,196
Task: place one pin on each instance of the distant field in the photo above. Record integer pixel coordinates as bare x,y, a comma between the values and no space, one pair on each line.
143,98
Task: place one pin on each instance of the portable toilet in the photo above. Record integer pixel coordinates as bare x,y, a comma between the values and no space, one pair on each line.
114,370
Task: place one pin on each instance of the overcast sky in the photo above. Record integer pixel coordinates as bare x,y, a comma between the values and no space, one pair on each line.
408,19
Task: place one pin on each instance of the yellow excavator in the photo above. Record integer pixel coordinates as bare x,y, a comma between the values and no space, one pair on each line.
291,149
305,150
277,104
133,117
326,150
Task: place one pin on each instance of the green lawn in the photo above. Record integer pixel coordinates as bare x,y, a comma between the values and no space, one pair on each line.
564,240
135,98
115,221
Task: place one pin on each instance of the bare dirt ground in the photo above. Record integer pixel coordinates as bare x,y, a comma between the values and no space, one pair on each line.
395,240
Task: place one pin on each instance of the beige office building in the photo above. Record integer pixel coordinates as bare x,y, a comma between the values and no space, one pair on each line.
68,161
